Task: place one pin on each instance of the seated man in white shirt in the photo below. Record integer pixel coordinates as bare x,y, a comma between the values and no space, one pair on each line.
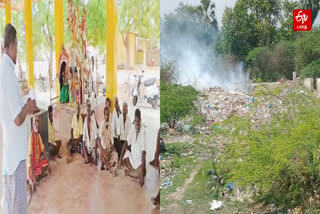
107,152
135,156
90,137
125,126
116,126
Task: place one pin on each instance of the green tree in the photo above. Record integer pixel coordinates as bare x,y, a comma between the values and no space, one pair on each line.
141,17
176,102
286,31
96,24
251,23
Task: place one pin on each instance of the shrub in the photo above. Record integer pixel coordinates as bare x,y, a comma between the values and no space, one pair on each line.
176,102
271,64
307,48
280,157
311,70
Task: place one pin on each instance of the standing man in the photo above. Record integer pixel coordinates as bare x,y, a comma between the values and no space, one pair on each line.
125,126
15,141
116,126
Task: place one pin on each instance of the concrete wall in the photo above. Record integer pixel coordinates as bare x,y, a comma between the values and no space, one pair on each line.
308,83
155,55
140,57
121,51
132,50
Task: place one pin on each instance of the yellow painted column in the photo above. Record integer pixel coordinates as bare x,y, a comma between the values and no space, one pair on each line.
58,30
115,47
8,11
29,43
110,51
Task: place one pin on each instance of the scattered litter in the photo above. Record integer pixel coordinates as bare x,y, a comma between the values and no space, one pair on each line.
167,183
186,128
219,104
161,158
230,186
215,205
184,154
297,210
189,201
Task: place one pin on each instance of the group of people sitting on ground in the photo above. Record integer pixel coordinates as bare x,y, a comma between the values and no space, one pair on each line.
112,144
117,142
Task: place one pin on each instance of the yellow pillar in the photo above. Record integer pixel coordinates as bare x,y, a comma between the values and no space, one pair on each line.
29,45
8,11
115,47
58,20
110,50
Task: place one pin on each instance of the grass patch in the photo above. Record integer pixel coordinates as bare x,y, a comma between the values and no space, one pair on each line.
181,173
200,190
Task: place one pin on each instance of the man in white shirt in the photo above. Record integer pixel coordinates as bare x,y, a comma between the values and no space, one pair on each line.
15,141
125,126
116,126
90,137
135,156
107,152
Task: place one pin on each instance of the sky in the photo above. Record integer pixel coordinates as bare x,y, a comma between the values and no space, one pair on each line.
167,6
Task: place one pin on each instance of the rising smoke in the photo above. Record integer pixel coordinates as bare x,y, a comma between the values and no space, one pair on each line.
194,51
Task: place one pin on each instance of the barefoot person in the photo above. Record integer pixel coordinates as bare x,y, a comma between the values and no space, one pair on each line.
125,126
14,135
116,126
54,145
90,137
74,144
107,152
38,159
135,157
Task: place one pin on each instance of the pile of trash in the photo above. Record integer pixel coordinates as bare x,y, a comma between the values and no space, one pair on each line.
217,104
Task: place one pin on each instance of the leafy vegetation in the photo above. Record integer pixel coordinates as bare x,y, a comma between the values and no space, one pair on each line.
271,64
280,158
312,70
176,102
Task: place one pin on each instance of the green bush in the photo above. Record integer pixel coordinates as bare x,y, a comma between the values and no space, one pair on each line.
271,64
176,102
307,48
311,70
280,157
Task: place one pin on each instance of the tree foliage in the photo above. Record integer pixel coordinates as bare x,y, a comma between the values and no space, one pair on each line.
312,70
251,23
271,64
142,17
307,48
176,102
96,24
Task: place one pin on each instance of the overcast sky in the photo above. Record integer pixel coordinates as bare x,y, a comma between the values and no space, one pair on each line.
167,6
